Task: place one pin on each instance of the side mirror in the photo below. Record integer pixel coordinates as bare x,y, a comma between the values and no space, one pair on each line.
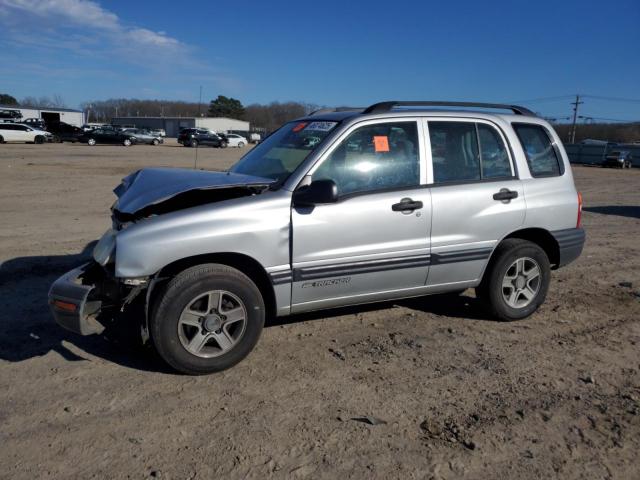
318,192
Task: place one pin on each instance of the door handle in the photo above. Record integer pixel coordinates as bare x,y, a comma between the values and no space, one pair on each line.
407,205
505,195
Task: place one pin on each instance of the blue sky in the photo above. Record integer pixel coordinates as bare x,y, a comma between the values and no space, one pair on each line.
327,52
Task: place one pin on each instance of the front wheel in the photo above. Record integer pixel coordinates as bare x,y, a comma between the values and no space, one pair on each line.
241,144
194,143
39,140
91,142
516,281
126,142
155,142
208,319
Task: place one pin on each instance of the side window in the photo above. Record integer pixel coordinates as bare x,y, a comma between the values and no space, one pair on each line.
454,149
374,157
541,156
493,153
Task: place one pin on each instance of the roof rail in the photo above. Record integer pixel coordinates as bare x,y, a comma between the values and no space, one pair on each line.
337,109
387,106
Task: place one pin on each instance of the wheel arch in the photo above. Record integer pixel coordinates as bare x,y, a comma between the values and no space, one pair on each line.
246,264
541,237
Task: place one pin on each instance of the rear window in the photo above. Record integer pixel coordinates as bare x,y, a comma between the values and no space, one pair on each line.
542,157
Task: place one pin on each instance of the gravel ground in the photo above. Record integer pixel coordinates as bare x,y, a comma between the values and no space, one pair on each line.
424,388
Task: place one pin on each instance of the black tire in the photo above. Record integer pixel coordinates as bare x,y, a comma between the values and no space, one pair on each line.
155,142
224,145
39,140
490,291
240,144
179,292
193,143
1,139
127,142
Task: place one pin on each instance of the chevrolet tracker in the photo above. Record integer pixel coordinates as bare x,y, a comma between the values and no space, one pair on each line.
342,207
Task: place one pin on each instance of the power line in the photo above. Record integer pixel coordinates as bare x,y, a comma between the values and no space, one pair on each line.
612,99
542,99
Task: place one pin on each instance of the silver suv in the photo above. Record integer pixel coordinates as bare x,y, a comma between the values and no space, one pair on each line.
400,199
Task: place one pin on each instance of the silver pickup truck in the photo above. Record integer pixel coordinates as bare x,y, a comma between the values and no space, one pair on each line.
342,207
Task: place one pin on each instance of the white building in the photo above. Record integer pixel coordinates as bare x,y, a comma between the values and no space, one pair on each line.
173,125
50,115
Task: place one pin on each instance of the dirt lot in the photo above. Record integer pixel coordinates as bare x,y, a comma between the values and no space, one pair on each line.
554,396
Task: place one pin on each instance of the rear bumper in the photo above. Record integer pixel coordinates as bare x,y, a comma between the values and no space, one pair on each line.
70,304
571,242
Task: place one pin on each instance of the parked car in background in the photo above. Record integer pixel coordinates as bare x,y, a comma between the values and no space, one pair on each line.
235,140
144,136
18,132
63,132
10,114
107,136
619,159
35,123
159,132
255,138
194,137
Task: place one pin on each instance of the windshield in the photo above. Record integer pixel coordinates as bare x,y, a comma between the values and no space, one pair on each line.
283,151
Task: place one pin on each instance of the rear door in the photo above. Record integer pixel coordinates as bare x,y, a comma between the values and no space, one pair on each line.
477,197
10,133
371,244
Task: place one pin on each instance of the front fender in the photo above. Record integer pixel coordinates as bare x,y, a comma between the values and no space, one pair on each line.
256,226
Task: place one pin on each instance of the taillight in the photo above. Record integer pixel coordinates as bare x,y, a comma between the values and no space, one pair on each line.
578,223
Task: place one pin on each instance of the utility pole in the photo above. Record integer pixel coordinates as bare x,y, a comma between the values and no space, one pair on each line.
575,104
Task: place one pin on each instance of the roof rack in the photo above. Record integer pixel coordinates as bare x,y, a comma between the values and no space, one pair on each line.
387,106
337,109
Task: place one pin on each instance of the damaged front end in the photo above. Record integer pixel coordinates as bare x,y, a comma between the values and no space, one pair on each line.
91,297
86,299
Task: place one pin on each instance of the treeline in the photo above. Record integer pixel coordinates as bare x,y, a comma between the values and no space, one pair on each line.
55,101
612,132
265,117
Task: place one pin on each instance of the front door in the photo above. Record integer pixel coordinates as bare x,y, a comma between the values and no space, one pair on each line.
373,243
476,195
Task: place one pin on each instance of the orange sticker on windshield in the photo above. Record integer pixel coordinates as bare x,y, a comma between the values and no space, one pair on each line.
299,127
381,143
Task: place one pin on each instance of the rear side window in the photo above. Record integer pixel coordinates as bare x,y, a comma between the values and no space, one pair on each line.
493,152
455,153
542,157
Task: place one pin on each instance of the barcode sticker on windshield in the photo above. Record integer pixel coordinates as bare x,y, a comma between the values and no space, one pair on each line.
321,126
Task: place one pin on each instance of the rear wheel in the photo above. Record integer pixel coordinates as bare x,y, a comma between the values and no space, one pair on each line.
240,144
39,140
516,281
1,139
126,142
155,142
91,142
208,319
193,143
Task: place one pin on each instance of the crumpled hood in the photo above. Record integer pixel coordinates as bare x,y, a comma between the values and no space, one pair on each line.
154,186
